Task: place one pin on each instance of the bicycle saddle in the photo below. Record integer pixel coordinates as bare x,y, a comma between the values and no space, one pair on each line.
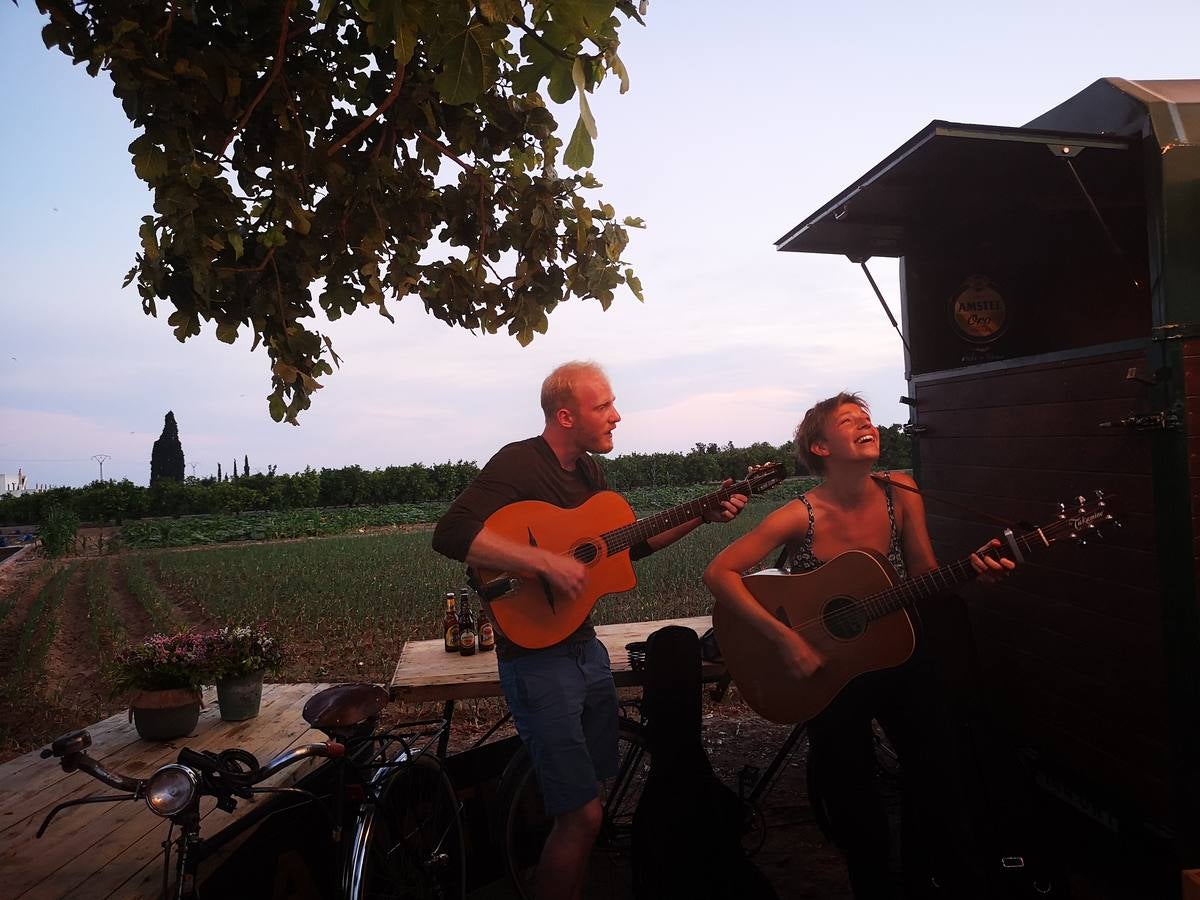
345,705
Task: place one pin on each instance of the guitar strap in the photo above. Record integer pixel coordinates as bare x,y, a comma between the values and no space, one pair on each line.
1009,538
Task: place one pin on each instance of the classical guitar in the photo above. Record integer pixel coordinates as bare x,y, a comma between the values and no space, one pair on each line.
855,612
598,533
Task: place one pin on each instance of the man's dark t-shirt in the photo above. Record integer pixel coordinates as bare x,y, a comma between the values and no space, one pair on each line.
524,470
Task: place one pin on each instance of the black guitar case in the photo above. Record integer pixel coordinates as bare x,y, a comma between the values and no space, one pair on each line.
687,827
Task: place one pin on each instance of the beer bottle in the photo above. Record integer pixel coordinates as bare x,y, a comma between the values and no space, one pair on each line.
487,634
466,626
450,624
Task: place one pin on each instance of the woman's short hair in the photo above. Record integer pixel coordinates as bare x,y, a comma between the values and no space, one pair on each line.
558,390
812,428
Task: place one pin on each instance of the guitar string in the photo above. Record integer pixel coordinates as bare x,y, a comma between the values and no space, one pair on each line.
626,536
882,600
878,604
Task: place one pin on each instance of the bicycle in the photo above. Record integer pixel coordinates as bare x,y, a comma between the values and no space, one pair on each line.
392,797
525,826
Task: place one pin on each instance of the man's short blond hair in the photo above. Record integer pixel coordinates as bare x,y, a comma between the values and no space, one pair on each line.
558,390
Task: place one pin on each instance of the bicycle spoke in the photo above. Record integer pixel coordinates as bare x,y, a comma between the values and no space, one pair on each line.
414,849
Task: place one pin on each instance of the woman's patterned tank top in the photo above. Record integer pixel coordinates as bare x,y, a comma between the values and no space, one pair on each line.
804,560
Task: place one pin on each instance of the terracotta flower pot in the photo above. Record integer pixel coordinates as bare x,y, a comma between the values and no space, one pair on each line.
165,715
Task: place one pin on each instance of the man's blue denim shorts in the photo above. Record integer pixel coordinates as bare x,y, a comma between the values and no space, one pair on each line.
564,704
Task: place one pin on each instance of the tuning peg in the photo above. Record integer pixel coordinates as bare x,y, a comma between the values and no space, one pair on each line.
1099,495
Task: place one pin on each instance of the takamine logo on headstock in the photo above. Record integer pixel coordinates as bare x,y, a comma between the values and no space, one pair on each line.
1083,518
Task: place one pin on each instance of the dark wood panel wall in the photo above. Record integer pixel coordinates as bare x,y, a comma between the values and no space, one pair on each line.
1191,392
1070,649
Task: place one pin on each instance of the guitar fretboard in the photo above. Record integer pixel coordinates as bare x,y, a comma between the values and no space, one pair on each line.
627,535
904,593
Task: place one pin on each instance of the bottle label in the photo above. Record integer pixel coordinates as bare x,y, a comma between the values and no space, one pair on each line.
452,636
487,637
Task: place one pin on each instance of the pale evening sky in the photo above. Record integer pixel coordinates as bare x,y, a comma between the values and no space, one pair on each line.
741,120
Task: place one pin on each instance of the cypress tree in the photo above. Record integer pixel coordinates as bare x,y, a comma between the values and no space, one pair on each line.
246,466
219,472
166,457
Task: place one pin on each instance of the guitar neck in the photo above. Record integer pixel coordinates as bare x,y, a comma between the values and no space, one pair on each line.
904,593
643,529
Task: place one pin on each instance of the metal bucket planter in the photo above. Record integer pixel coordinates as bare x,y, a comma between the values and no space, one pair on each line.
165,715
240,696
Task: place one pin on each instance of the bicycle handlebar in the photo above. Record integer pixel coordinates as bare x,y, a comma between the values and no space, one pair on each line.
231,772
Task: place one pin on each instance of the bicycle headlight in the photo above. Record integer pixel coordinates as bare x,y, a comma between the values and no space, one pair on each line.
171,789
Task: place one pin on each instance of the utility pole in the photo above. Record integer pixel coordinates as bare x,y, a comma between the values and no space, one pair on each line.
100,458
193,465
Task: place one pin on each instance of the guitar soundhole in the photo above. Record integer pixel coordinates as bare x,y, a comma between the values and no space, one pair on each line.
586,552
843,618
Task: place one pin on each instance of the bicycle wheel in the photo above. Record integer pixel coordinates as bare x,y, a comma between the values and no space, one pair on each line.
408,843
526,825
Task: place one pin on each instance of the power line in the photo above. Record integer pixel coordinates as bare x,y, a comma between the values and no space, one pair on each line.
26,459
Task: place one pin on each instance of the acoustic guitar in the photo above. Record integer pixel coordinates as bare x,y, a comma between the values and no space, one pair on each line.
854,611
599,533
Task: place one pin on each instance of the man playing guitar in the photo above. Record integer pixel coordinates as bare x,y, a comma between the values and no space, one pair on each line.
851,510
562,697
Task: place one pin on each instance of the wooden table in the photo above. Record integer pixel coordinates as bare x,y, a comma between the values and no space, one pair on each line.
115,849
427,672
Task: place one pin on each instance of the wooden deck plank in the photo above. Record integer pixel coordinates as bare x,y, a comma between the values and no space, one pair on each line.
118,746
427,672
115,849
121,853
104,830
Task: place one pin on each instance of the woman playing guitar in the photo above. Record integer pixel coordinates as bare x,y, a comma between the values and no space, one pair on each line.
851,510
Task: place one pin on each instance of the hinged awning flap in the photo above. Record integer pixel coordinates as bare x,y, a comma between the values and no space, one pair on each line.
951,174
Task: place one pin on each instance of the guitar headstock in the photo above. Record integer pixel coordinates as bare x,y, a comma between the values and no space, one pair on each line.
763,477
1082,518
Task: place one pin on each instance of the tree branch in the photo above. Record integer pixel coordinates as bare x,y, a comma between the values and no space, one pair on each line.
269,258
275,70
483,225
445,151
562,54
382,108
165,32
283,325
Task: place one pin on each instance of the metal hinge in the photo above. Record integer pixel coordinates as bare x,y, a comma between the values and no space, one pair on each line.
910,429
1175,331
1164,420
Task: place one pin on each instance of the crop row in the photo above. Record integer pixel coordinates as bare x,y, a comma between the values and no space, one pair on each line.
37,632
259,526
345,605
162,615
104,624
267,526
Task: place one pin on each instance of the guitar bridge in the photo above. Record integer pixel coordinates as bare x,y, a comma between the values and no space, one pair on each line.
501,587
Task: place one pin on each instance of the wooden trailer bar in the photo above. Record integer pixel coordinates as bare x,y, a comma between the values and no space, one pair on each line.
1050,298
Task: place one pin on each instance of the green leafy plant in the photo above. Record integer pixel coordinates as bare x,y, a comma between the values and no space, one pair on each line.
242,650
298,151
162,662
57,529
